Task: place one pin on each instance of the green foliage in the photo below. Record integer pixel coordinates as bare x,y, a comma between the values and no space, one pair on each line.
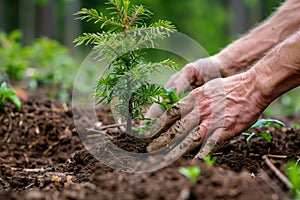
45,61
265,135
267,123
295,126
12,59
191,172
123,47
8,94
141,129
293,174
205,21
50,64
210,160
170,96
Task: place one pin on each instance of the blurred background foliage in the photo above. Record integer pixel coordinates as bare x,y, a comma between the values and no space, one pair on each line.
212,23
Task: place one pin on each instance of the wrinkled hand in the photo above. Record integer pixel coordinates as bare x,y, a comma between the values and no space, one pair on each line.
189,77
215,112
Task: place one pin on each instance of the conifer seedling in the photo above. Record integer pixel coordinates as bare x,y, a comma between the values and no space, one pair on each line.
123,47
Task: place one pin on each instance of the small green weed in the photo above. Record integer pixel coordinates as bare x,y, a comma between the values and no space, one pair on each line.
293,174
191,172
13,61
44,62
295,126
210,160
8,94
265,135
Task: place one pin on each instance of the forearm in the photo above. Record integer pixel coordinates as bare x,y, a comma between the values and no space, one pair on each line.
244,52
279,71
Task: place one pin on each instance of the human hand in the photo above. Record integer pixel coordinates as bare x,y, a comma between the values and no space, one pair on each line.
215,112
189,77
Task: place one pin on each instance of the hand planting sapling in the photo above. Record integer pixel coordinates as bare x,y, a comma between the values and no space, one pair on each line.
123,47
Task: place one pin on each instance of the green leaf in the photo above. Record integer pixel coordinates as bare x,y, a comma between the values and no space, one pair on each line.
165,105
293,174
295,126
173,96
191,172
141,129
8,93
15,100
210,160
267,122
170,97
267,136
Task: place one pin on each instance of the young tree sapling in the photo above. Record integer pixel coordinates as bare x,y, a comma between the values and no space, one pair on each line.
123,46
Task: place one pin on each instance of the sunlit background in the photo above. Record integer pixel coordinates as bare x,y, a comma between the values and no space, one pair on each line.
25,56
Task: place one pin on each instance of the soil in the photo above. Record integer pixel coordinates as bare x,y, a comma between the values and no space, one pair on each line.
42,157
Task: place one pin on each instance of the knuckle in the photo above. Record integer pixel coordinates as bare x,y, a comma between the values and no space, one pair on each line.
188,69
174,110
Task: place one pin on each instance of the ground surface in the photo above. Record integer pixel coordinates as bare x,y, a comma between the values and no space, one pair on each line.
42,157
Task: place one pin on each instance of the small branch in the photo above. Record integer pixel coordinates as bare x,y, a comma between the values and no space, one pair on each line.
277,172
99,134
30,185
95,131
37,170
118,9
98,18
276,156
131,22
50,148
111,126
26,157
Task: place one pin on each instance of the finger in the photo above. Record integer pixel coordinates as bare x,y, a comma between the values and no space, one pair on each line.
210,141
190,142
195,74
193,140
154,111
176,132
183,79
172,114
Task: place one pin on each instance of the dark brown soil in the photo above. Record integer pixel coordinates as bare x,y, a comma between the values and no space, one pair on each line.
42,157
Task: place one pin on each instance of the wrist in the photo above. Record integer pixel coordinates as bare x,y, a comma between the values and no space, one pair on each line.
279,71
225,64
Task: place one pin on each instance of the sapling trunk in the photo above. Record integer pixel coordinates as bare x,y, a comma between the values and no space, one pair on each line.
130,109
129,118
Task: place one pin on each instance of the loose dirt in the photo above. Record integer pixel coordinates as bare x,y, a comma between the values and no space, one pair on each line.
42,157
